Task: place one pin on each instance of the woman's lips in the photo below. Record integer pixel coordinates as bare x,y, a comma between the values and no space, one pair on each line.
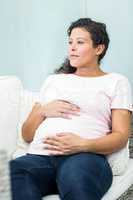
74,56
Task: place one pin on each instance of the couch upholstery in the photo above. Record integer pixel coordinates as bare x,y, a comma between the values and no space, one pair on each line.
15,104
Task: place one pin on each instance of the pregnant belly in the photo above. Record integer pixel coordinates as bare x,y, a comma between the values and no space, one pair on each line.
82,126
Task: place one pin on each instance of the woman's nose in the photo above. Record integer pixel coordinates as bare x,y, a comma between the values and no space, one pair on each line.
73,47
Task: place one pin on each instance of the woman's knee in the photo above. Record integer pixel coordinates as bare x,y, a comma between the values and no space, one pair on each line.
19,164
74,172
85,173
77,185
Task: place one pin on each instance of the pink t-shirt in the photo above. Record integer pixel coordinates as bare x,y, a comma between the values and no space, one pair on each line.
95,96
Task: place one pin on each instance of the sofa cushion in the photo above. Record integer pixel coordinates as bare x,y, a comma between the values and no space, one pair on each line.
119,160
10,89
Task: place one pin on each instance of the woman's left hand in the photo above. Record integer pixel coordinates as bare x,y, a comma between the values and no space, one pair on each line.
64,144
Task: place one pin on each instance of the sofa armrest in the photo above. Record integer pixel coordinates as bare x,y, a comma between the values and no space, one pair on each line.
5,193
131,140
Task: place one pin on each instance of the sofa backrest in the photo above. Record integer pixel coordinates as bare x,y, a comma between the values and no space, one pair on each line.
28,99
10,90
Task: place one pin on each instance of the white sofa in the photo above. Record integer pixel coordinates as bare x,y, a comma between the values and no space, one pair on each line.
15,104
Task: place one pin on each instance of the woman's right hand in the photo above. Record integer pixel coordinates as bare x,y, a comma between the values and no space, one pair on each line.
56,108
60,108
39,113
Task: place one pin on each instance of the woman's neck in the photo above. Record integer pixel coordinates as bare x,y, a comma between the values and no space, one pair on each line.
90,71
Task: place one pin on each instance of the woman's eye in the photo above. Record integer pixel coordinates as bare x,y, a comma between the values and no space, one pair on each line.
80,42
69,42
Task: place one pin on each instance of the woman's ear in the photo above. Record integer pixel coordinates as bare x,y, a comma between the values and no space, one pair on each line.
99,49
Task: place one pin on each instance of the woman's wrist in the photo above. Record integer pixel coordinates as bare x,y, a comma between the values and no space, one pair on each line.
34,121
86,145
44,114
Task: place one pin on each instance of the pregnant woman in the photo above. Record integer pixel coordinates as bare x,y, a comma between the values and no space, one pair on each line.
83,115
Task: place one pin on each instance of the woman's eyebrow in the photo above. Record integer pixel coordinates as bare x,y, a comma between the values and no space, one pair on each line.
79,38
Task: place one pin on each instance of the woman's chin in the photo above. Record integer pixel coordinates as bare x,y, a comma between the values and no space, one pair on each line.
74,64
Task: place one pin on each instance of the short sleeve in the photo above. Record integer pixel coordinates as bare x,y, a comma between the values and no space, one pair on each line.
122,95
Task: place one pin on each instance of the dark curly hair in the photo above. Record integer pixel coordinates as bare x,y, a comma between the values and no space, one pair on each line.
98,35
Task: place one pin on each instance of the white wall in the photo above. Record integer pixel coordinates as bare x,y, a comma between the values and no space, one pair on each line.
33,39
118,17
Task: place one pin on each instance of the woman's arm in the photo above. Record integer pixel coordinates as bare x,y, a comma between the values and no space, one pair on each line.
117,139
39,113
33,121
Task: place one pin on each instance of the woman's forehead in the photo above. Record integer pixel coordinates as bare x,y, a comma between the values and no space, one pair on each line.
79,33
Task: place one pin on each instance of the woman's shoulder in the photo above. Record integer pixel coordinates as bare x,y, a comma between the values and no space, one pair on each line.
56,77
53,78
118,76
120,82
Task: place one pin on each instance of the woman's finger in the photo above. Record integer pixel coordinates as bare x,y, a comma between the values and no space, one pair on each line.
52,141
51,147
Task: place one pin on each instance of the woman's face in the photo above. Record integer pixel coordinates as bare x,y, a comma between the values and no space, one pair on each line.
81,52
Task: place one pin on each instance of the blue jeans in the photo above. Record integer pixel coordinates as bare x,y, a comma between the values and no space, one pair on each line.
81,176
